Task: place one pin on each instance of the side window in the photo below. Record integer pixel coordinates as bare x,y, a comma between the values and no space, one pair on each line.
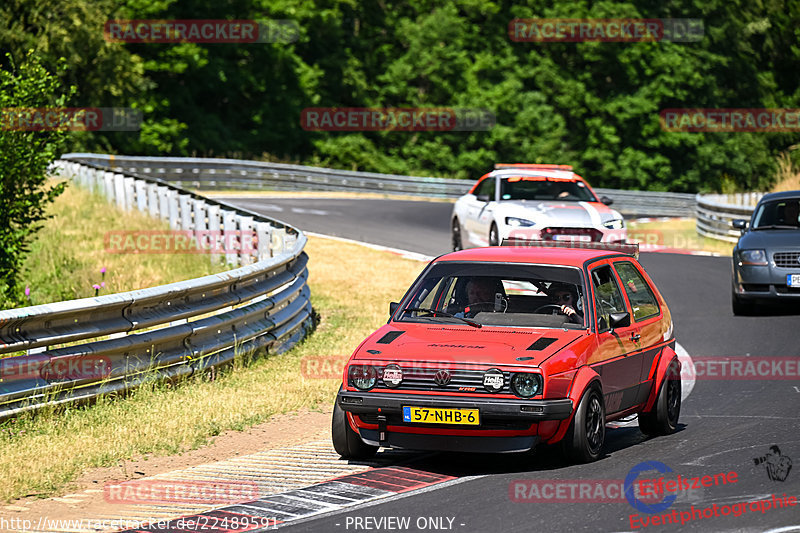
486,187
607,297
639,293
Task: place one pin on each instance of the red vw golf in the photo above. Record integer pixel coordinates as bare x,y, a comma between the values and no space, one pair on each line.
499,349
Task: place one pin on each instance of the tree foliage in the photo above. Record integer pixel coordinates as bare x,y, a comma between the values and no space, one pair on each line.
594,105
24,158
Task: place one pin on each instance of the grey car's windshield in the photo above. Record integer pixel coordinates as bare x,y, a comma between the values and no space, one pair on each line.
498,295
525,188
778,214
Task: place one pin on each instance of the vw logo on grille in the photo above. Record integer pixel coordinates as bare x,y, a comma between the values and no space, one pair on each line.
442,378
798,258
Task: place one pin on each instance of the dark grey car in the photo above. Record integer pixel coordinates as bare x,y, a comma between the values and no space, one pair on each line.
766,260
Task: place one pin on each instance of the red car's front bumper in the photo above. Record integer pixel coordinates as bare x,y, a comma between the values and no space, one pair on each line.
506,425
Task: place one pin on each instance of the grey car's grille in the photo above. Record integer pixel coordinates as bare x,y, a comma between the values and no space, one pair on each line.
786,259
461,380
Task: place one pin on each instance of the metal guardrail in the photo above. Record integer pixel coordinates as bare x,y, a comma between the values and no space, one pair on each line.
236,174
114,343
716,212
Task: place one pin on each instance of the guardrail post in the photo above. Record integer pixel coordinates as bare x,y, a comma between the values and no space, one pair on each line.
264,236
278,241
163,202
128,185
247,240
229,238
108,183
141,195
119,190
214,233
186,211
200,226
174,215
199,208
152,200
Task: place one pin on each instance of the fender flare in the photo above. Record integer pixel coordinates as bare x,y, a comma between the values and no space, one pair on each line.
666,358
584,378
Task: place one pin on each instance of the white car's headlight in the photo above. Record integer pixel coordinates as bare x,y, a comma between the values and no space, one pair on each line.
616,223
519,222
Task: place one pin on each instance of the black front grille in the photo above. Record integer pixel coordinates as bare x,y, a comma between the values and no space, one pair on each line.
786,259
461,380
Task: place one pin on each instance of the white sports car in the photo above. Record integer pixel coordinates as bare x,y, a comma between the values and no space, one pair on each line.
547,202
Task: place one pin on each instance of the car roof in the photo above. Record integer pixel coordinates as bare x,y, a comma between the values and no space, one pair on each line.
779,196
535,173
574,257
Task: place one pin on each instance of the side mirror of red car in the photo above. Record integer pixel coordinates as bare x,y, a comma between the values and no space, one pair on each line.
619,320
393,307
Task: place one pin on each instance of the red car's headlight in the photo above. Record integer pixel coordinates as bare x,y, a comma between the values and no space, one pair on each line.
362,377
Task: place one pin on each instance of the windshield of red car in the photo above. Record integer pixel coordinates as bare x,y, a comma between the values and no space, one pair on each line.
499,295
523,188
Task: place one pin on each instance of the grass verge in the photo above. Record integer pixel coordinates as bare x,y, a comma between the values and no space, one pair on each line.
351,287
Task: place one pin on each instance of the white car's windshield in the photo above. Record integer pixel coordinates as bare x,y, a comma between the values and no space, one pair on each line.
500,295
523,188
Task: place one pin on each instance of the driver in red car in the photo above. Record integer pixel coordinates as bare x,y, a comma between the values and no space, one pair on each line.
564,296
480,296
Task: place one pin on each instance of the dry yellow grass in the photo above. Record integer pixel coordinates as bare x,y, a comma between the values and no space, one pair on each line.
351,288
788,177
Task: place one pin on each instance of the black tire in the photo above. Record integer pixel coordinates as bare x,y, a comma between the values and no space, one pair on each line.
663,419
583,442
458,244
494,236
345,441
740,307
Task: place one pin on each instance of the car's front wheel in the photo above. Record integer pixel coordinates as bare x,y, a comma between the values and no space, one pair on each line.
663,419
345,441
456,233
494,235
583,442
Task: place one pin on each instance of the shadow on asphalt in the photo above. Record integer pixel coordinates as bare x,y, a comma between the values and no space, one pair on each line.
543,458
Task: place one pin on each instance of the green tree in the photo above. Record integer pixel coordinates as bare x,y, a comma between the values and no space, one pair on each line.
24,159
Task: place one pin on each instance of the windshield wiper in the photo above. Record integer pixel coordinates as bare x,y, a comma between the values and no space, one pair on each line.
434,312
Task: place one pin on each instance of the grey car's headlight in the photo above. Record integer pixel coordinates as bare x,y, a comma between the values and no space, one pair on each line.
752,257
519,222
363,377
616,223
526,385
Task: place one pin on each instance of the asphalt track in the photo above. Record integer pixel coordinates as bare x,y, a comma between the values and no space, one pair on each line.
725,424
